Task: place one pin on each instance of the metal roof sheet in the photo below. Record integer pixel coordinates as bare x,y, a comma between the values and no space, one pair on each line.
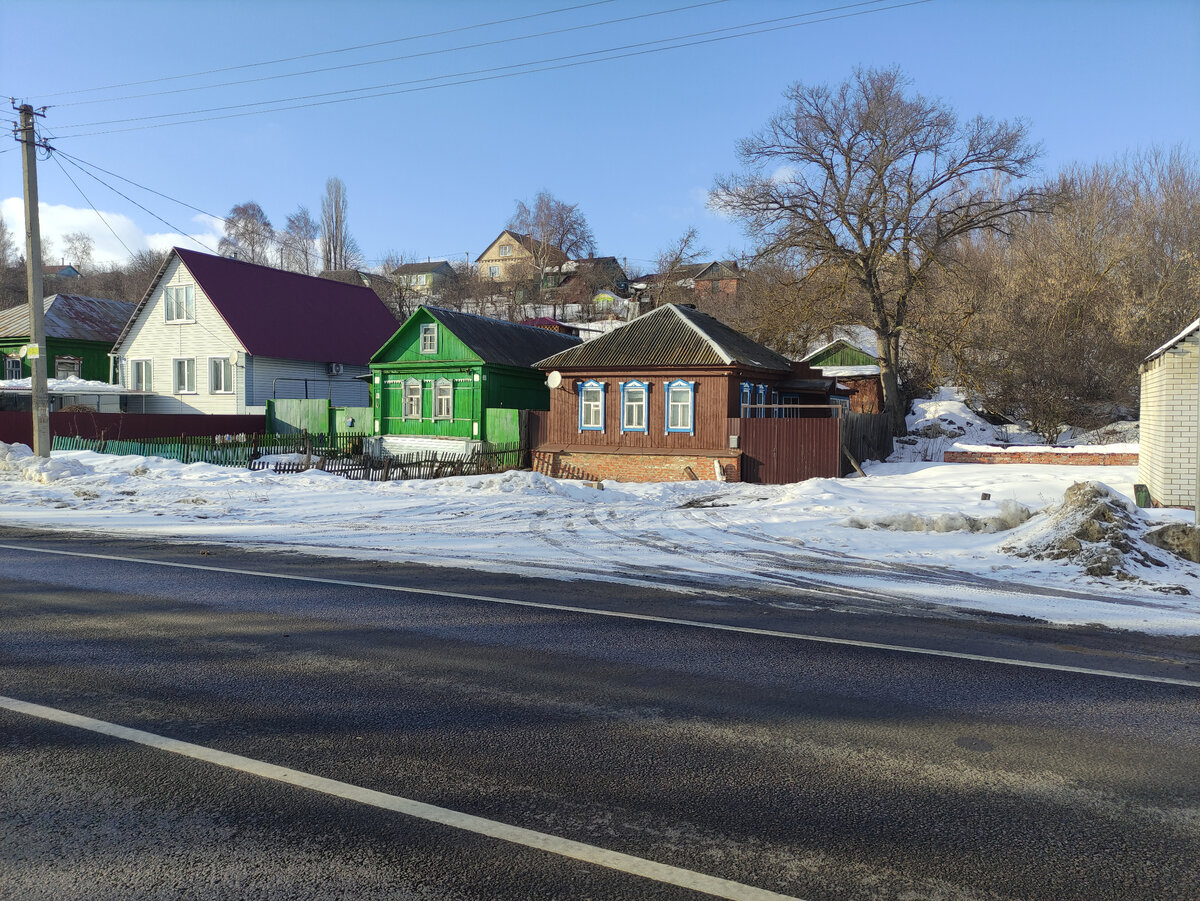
71,316
672,335
501,342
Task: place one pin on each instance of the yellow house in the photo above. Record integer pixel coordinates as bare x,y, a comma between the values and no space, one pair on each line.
514,257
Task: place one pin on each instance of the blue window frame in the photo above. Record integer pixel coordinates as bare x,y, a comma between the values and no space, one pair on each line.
635,403
591,406
747,398
680,406
761,393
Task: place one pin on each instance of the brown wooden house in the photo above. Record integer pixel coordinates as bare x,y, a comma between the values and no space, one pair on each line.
666,398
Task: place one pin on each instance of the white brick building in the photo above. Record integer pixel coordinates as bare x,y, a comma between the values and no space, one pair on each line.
1168,451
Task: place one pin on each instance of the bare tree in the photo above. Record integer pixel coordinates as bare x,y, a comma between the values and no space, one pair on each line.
683,251
8,245
298,241
558,229
879,184
249,235
338,249
80,247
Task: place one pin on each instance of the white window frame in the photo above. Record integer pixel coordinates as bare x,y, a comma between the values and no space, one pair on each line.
639,421
74,365
223,379
410,396
591,411
670,391
421,280
506,250
443,396
141,375
429,338
13,368
188,372
493,271
179,303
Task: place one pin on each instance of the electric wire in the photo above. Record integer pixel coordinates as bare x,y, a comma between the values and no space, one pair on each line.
288,59
88,201
391,59
485,77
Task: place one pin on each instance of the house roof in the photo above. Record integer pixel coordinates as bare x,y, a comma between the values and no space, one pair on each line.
66,270
71,316
286,315
420,268
502,343
1182,336
531,244
696,271
672,335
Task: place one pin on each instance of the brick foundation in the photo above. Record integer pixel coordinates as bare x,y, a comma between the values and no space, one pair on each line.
1041,456
639,467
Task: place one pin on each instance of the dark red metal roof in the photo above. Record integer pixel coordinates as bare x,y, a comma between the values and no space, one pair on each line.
291,316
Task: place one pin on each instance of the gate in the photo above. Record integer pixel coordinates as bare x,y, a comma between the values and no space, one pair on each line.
778,451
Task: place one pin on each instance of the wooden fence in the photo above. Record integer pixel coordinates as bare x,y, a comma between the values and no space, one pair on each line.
867,436
424,465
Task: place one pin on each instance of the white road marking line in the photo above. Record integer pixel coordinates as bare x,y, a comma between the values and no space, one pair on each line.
614,860
641,617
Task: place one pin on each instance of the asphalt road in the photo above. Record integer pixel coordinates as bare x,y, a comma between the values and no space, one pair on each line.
809,768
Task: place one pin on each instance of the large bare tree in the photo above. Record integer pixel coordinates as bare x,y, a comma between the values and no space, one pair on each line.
876,183
555,226
249,234
298,240
339,250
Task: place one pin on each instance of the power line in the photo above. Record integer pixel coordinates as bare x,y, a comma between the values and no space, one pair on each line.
483,73
288,59
58,162
391,59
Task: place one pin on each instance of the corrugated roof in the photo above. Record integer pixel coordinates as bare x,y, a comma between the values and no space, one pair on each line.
71,316
672,335
502,343
286,315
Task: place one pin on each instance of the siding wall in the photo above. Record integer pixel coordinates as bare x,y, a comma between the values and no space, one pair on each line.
268,377
152,338
1167,456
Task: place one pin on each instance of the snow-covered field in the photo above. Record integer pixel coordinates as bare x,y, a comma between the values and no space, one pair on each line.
910,532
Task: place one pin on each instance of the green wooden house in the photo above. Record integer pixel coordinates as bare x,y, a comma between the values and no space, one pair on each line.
80,332
444,376
855,368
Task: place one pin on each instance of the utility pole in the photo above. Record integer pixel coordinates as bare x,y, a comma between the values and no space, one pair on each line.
36,354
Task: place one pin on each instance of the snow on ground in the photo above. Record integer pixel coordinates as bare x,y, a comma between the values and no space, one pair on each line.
909,534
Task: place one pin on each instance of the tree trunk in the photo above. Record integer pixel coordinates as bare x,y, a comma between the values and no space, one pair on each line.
889,379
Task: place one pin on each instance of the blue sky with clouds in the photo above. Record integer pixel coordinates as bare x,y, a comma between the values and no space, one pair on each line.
462,127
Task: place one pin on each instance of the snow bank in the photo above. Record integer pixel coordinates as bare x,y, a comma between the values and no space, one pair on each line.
19,459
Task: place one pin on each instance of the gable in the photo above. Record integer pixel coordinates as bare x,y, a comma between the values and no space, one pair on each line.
516,241
405,345
840,353
465,336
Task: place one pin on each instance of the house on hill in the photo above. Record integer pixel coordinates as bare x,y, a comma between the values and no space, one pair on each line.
216,335
664,397
80,333
1168,421
513,257
448,380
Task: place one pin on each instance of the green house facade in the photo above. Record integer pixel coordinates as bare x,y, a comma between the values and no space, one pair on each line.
444,374
80,332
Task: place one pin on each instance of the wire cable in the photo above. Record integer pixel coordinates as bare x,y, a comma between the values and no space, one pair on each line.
58,162
288,59
391,59
484,73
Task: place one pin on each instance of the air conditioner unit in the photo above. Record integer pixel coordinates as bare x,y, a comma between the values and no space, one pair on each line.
334,368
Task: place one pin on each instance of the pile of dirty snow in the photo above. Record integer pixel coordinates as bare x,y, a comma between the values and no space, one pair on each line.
19,460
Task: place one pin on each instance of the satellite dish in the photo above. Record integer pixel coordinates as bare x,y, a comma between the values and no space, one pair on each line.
24,349
233,357
554,379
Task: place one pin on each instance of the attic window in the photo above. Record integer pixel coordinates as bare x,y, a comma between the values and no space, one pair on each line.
429,338
506,250
179,301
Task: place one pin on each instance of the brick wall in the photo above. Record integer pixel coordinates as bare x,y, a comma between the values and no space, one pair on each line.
1036,456
636,467
1167,464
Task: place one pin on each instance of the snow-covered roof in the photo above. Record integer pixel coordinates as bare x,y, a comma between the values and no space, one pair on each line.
1186,333
847,372
70,385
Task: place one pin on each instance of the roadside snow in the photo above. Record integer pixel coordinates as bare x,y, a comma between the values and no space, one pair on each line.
909,533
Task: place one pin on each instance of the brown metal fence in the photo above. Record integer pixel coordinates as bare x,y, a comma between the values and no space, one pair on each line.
778,451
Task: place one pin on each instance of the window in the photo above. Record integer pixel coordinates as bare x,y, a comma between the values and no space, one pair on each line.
139,375
412,399
67,367
493,271
761,394
220,375
180,303
747,399
591,407
429,338
506,250
12,368
443,399
185,376
680,397
633,406
421,279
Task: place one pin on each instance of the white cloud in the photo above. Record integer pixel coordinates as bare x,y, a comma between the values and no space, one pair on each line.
57,220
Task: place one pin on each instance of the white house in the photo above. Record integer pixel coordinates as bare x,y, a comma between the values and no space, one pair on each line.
1168,449
216,335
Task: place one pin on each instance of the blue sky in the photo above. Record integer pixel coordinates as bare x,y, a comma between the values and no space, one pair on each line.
635,141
